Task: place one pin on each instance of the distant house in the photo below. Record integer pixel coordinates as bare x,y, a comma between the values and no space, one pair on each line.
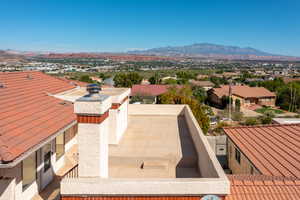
145,82
247,95
202,76
271,150
288,79
207,85
149,92
97,79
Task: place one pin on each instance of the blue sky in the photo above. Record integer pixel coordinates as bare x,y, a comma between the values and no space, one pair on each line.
61,25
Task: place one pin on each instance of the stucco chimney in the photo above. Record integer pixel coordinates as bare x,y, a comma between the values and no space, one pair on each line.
92,113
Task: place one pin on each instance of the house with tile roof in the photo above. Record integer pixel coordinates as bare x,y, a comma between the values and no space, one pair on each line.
206,85
148,93
272,150
262,187
247,95
37,130
112,150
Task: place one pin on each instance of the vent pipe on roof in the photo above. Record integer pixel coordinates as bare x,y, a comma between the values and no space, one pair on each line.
93,89
1,85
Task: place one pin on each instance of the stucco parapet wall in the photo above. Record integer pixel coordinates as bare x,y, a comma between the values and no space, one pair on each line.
118,98
95,107
180,187
155,109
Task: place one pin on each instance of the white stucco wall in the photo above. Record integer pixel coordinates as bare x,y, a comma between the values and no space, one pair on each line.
118,121
93,149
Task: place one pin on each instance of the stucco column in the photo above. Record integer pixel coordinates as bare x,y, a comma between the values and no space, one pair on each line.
92,115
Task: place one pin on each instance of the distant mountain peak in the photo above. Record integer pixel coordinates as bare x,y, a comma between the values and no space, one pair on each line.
204,49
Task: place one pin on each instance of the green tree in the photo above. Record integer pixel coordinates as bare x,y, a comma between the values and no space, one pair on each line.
155,79
86,78
127,79
237,105
199,93
251,122
170,81
104,76
184,95
266,120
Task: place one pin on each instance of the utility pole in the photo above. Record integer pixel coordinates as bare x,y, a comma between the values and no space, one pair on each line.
229,106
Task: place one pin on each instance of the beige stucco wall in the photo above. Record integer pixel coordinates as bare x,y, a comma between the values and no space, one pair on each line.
154,109
267,102
207,162
244,167
243,103
118,122
93,149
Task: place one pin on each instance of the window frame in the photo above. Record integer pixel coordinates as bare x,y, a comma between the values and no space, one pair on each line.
237,155
24,187
64,144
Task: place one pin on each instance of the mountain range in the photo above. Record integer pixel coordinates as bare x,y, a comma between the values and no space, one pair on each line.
197,51
207,50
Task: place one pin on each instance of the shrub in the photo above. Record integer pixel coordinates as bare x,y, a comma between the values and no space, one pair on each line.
237,116
266,120
251,122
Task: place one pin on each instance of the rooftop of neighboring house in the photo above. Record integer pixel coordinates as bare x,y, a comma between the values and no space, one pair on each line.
29,113
260,187
148,90
273,149
243,91
289,79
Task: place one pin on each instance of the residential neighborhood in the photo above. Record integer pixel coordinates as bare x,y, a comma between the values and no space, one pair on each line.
150,100
66,140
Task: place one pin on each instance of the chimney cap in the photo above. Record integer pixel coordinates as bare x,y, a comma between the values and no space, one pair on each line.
93,89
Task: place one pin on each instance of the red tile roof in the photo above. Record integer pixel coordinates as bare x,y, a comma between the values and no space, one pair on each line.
260,187
273,149
28,115
149,90
243,91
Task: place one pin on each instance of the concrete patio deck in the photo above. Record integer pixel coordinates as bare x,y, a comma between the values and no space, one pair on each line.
154,146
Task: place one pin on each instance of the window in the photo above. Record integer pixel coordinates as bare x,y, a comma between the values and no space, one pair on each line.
60,146
29,170
47,157
251,170
237,155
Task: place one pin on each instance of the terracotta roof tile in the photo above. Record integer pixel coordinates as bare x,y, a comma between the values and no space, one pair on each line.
28,114
263,187
273,149
150,90
243,91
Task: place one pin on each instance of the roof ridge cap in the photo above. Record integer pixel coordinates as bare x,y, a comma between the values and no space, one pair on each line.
261,125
